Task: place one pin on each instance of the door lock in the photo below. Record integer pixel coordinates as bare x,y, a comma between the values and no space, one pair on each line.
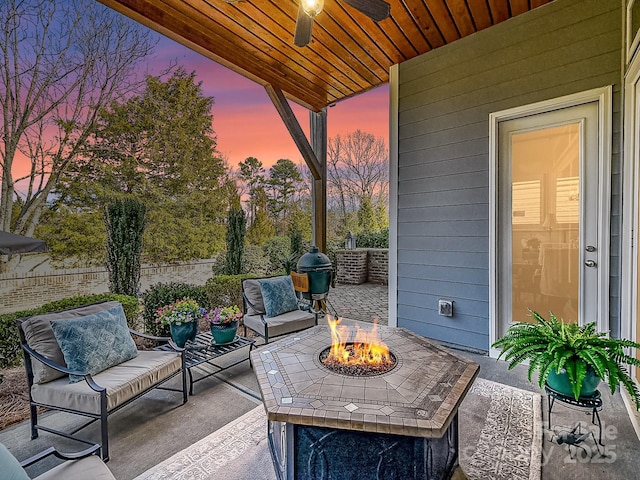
590,263
590,248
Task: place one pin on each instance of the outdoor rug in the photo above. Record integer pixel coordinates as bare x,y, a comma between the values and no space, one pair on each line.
500,438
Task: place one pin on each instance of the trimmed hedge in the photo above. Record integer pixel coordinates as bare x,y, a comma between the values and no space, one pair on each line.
378,239
10,350
225,290
162,294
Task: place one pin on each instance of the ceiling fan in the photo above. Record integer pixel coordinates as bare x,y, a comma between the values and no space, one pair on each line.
375,9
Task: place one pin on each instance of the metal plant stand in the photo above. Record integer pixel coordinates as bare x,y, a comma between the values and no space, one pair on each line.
592,402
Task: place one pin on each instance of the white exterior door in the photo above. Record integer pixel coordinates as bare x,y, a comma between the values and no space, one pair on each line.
551,251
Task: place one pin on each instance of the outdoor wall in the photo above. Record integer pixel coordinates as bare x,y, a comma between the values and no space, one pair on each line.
378,265
21,291
362,265
445,98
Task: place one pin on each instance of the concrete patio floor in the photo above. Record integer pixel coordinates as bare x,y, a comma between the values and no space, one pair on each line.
156,426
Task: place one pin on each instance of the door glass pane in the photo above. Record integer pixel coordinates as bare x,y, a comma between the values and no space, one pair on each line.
545,200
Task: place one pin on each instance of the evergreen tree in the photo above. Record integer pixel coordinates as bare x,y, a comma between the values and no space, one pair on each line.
284,180
367,217
125,222
158,147
252,174
261,229
236,227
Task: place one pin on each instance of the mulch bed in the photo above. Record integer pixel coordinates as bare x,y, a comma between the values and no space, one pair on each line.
14,400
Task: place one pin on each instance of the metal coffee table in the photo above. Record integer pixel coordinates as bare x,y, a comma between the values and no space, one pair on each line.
204,350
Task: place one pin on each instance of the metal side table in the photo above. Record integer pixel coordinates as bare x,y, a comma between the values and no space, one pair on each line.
204,350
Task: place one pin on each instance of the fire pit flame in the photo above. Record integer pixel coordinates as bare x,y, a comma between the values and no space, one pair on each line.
366,350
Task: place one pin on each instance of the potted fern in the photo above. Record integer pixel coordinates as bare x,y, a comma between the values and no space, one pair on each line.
566,352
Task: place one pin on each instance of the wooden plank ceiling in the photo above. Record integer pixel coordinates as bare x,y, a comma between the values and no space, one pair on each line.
349,53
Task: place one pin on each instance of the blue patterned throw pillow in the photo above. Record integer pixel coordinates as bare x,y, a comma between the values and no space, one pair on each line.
278,295
96,342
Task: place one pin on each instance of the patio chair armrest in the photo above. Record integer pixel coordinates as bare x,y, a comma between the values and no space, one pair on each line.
175,347
167,340
149,337
41,358
93,450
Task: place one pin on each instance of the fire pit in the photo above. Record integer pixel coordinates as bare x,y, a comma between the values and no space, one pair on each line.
367,355
397,424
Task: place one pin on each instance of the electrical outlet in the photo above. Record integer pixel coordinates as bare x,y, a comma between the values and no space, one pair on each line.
445,308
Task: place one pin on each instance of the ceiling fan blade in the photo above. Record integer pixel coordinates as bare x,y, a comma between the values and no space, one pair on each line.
304,24
375,9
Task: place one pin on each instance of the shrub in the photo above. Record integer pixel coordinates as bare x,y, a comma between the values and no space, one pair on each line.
378,239
289,263
225,290
162,294
275,249
255,261
10,351
296,242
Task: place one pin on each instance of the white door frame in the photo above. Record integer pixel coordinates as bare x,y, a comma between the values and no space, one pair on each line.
631,191
604,98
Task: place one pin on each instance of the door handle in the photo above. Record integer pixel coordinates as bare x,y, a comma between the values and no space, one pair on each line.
590,263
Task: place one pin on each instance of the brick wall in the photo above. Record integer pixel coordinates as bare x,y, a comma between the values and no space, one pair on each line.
363,265
378,262
21,291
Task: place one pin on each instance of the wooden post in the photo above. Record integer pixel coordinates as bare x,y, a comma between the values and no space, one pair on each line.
319,198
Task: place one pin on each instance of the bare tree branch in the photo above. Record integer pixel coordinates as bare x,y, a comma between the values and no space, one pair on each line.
357,169
60,64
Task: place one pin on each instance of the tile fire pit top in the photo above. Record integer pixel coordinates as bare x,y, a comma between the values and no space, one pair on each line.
418,398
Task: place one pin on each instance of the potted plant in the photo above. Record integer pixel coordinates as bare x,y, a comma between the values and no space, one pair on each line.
224,323
566,352
182,318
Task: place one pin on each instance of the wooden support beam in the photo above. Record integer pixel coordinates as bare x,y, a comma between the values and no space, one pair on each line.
315,157
295,130
319,144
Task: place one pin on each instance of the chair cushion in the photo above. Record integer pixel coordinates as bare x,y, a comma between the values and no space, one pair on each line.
90,467
11,469
39,336
278,295
96,342
122,382
251,288
286,323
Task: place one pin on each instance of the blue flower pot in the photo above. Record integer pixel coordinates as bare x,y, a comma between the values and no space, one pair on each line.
560,383
183,332
224,332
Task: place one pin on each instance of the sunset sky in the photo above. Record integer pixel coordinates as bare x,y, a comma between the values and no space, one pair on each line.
246,122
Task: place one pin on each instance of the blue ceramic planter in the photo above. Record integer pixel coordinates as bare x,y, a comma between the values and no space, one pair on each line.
224,332
560,383
183,332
